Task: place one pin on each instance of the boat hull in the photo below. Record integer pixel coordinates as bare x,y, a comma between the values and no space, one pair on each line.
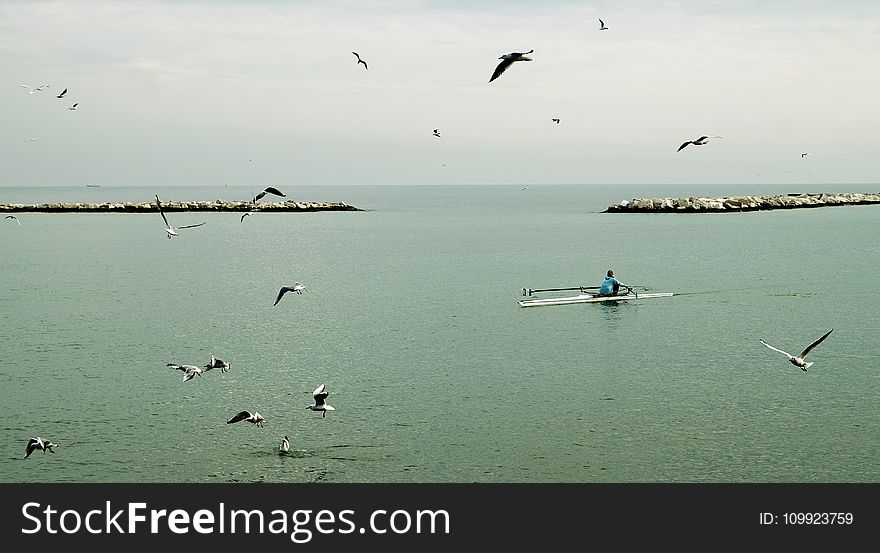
588,298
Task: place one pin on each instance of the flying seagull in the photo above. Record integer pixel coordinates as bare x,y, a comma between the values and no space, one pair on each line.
172,231
297,287
73,107
602,26
360,60
63,92
320,394
284,446
189,371
38,443
804,154
253,418
13,217
268,190
799,360
33,90
698,142
507,60
555,120
437,133
218,364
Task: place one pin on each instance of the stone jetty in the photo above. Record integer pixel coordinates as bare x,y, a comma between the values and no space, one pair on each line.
167,206
734,204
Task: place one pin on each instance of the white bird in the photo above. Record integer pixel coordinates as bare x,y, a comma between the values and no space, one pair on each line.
31,139
33,90
268,190
13,217
218,364
437,133
320,394
172,231
284,446
698,142
799,360
297,287
189,371
253,418
63,92
507,60
602,26
38,443
360,60
73,107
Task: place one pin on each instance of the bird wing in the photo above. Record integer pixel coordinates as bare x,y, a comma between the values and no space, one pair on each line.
239,417
63,92
319,390
809,348
365,64
33,443
191,226
243,216
176,367
500,69
790,356
680,148
284,290
355,54
162,213
273,190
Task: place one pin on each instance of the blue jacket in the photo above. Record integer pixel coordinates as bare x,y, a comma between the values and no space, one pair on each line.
607,287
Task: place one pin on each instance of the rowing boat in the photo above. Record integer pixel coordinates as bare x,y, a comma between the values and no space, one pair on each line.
585,297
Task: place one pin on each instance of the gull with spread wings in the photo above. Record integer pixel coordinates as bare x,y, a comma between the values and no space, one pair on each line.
172,231
798,361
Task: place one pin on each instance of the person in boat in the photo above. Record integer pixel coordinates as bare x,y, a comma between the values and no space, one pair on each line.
610,285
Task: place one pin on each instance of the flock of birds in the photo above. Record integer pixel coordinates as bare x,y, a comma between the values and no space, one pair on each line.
320,393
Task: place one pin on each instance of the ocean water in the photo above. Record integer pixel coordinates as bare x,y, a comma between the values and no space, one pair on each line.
410,319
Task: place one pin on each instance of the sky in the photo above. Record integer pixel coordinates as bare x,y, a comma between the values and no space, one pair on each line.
235,92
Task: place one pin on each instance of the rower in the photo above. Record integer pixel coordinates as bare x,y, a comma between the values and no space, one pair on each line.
610,286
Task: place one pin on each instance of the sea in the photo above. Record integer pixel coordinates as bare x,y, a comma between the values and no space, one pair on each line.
410,319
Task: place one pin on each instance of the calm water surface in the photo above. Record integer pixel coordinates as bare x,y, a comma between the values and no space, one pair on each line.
410,319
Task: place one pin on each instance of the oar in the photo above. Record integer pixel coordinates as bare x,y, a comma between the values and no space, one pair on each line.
530,291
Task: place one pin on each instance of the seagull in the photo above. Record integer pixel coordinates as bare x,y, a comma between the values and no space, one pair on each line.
38,443
297,287
437,133
360,60
602,26
284,446
218,364
253,418
555,120
172,231
268,190
507,60
320,395
63,92
73,107
804,154
698,142
189,371
799,360
13,217
33,90
245,215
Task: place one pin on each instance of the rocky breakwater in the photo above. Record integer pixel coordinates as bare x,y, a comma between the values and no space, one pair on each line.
147,207
732,204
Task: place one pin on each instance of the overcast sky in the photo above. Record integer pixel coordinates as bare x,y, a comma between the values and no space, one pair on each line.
244,92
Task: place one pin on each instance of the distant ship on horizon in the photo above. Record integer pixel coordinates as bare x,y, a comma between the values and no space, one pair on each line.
93,185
